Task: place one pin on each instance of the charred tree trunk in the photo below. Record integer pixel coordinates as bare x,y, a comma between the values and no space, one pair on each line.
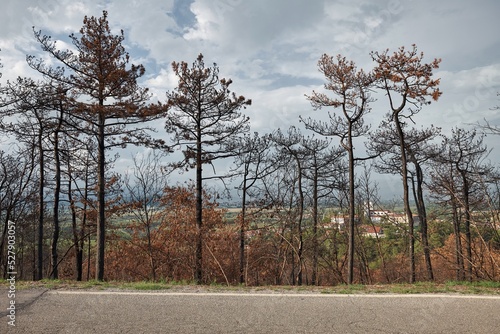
300,249
406,199
41,207
314,278
101,198
468,237
460,276
242,227
199,211
57,193
422,214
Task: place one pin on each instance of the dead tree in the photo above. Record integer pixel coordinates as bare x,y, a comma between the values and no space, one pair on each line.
204,120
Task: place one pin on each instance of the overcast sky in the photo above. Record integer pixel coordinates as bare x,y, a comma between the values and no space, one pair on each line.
270,48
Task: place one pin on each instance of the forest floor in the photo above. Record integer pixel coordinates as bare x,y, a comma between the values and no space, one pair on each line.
479,288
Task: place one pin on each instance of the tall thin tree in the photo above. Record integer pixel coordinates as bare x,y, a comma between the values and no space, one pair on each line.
351,89
252,161
465,151
420,148
290,147
29,103
321,169
111,105
408,85
205,120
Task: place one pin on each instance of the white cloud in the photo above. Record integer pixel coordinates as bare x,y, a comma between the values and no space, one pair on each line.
270,48
468,96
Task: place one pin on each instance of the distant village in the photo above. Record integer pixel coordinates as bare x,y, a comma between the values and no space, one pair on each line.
377,218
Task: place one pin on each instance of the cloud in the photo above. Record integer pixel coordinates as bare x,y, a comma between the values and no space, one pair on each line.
270,48
251,24
468,95
456,31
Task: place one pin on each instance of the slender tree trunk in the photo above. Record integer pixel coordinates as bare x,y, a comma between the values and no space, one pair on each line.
101,199
242,227
300,232
199,211
406,199
289,245
41,208
76,242
84,225
314,278
458,242
34,257
350,260
57,192
422,213
468,238
150,246
88,256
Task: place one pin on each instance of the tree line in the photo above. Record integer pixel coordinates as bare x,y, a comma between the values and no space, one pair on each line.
76,217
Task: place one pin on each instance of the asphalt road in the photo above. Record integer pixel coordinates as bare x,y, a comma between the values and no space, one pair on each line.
66,311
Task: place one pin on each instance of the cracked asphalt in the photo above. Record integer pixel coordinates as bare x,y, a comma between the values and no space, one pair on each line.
77,311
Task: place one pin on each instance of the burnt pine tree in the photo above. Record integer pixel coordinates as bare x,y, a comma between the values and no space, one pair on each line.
408,85
57,132
28,102
81,190
204,120
291,151
253,165
109,102
466,152
351,90
420,149
320,169
444,187
17,189
77,158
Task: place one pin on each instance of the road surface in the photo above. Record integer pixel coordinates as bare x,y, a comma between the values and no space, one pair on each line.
72,311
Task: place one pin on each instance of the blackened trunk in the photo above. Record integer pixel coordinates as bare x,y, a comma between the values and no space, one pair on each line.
76,241
101,188
199,212
84,222
41,208
350,260
422,213
314,279
301,218
406,200
150,246
468,237
57,191
242,227
458,242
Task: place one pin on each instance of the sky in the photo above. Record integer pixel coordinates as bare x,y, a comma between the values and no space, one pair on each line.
270,48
